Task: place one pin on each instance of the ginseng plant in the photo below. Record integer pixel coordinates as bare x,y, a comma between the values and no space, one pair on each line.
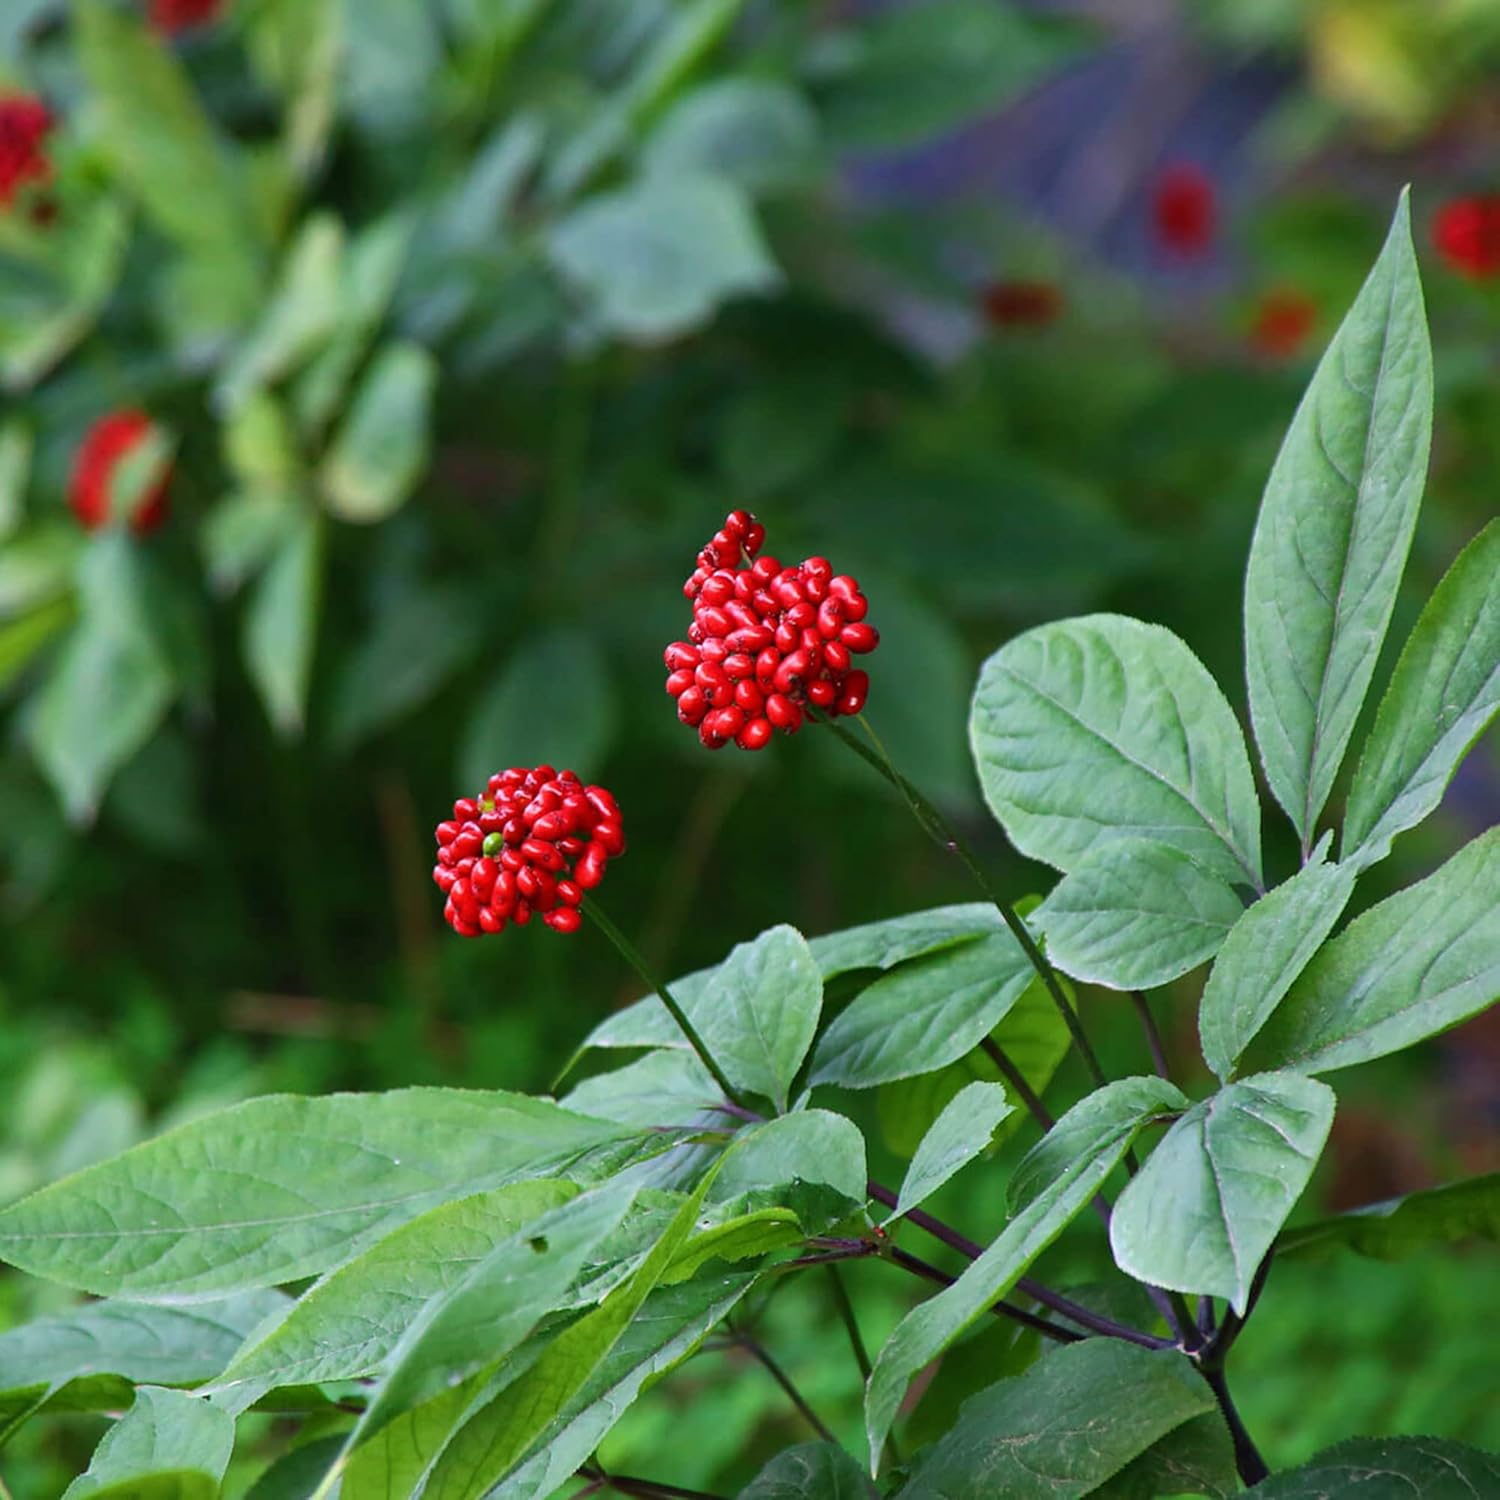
460,1293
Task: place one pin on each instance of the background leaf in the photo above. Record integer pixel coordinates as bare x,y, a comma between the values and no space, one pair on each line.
1334,529
1202,1213
1102,728
164,1431
1464,1210
1442,696
281,621
1433,1468
1134,913
810,1471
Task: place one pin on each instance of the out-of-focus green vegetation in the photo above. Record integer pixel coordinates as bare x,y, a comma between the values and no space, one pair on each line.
466,323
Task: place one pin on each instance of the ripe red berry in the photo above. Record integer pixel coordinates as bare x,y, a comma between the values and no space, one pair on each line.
1283,321
1184,209
765,639
533,841
1466,233
168,17
1021,304
98,456
25,123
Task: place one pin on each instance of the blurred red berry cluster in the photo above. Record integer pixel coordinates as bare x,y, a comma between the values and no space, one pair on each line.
765,641
106,444
24,125
1466,232
1021,304
1284,318
171,16
1184,209
534,841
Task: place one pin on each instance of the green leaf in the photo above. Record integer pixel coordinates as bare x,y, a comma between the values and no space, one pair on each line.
1064,1427
297,1475
163,1431
111,685
665,1087
380,451
812,1162
1389,1469
1104,728
810,1471
15,469
281,622
298,1185
1049,1188
758,134
763,1006
243,532
1399,1227
1334,529
742,1237
1134,913
86,1359
1416,964
259,445
294,46
1195,1459
24,638
416,644
1266,950
657,259
349,1322
493,1304
300,314
1031,1034
1203,1212
554,704
669,1327
964,1129
1442,696
882,945
924,1015
159,140
495,1441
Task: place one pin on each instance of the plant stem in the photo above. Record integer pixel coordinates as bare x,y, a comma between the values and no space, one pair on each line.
646,1489
1252,1467
841,1300
1012,1076
754,1347
626,949
1153,1035
1001,1308
937,827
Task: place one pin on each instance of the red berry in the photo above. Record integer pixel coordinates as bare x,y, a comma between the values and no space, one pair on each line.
1283,321
756,735
25,123
168,17
1184,209
104,446
1466,233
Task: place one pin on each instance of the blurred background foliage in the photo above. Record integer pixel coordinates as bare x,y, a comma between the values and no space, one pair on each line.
461,325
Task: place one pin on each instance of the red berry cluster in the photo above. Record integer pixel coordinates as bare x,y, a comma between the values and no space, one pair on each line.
765,640
24,124
103,447
1282,323
171,16
1184,209
535,841
1466,232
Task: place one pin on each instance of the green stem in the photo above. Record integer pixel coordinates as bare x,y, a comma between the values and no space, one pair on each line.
626,949
757,1350
937,827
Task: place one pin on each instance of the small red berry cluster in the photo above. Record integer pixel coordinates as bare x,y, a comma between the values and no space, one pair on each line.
168,17
103,448
765,640
1466,232
24,126
535,841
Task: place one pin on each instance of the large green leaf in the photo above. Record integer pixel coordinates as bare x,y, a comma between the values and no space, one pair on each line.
812,1162
553,704
380,451
494,1303
1064,1427
112,684
1442,696
754,132
669,1327
923,1015
1416,964
15,469
762,1009
666,1087
88,1358
159,140
1203,1212
1135,913
281,621
1401,1226
1389,1469
657,258
1103,728
1049,1188
1334,529
965,1128
163,1432
282,1187
810,1471
1264,953
494,1442
1195,1459
348,1324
